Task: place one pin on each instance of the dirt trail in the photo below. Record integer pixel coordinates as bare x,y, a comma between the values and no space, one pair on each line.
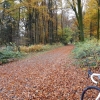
46,76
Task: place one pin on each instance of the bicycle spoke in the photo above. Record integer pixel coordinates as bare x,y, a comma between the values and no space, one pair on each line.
91,93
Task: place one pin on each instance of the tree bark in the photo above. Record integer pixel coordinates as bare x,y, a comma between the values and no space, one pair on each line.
98,1
80,20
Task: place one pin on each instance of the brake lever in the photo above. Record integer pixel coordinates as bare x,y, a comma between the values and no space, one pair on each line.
90,73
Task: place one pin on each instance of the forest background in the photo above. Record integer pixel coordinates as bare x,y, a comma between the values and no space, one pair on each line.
27,22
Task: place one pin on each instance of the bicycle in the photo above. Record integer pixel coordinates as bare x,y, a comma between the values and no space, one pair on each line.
92,75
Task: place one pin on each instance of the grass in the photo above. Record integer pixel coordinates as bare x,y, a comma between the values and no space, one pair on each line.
39,48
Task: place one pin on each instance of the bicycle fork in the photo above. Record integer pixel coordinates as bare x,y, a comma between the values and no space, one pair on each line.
98,97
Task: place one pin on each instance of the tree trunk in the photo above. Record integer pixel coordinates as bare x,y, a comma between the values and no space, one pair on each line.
80,20
98,20
62,18
90,30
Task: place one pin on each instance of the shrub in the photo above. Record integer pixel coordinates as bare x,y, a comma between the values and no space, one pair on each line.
24,49
31,48
87,53
9,53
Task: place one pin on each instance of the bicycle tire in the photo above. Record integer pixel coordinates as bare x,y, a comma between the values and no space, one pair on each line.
88,88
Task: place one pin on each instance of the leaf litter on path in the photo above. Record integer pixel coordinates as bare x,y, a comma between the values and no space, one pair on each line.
48,76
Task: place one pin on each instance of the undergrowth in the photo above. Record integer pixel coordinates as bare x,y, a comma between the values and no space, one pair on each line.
8,55
87,53
11,52
38,48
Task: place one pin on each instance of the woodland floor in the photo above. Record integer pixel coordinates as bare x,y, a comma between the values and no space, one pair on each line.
47,76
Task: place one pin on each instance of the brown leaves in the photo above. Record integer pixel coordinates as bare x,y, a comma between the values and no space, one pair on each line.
43,77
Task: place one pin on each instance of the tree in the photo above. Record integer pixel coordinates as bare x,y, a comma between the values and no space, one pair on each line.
37,18
6,22
98,1
67,36
91,19
76,6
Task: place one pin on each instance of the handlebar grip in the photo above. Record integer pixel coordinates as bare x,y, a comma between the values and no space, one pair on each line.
94,74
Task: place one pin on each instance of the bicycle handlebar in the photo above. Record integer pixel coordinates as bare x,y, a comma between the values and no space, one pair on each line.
95,74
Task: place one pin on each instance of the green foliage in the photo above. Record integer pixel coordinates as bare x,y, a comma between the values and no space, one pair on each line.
67,36
8,53
87,53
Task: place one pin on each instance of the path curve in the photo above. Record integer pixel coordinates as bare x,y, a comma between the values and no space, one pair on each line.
46,76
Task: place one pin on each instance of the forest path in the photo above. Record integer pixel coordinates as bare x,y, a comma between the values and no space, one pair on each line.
47,76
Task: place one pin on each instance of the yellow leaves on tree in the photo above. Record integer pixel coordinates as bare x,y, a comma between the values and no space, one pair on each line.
90,17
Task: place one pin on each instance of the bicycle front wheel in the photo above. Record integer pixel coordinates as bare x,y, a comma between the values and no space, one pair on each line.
90,93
